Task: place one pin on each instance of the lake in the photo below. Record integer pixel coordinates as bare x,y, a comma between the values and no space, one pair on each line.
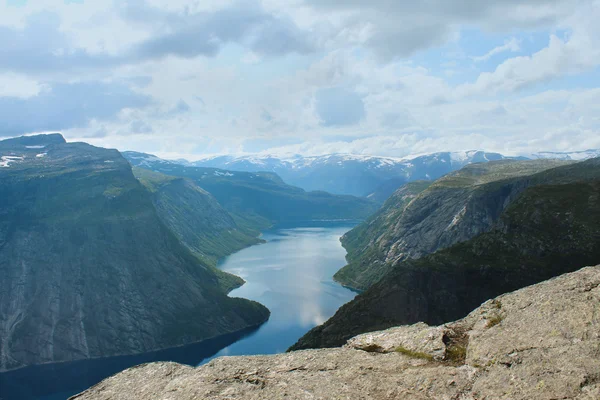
291,274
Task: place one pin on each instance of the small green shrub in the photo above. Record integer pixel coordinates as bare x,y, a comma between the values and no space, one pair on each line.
494,320
414,354
456,353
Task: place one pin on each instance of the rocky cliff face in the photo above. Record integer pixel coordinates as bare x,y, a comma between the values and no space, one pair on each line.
89,269
553,227
540,342
422,218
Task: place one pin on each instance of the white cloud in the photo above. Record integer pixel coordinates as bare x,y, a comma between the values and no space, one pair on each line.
513,45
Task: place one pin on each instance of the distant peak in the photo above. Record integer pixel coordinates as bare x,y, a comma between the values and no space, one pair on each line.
35,140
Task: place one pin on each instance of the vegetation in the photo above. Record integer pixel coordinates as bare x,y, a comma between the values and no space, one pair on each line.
494,320
197,219
414,354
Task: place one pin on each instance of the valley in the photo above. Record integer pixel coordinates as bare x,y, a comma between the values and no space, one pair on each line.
114,259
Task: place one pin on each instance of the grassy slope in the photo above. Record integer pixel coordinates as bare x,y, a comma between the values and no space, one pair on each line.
198,220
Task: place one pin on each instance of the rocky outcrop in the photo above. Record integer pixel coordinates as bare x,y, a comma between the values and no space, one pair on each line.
540,342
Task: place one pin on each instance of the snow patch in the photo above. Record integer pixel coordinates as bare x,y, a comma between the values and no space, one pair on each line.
574,155
457,218
6,160
218,173
35,147
41,155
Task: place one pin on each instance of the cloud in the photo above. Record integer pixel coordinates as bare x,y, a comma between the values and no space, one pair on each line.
397,29
578,51
139,126
513,45
66,105
40,47
205,33
339,107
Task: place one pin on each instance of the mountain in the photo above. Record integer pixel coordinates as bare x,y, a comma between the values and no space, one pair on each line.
376,177
573,155
198,221
537,343
423,217
550,225
90,269
262,198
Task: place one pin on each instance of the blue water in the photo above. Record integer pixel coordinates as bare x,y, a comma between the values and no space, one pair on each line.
291,274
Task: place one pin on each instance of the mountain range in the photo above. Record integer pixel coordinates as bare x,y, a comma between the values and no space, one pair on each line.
261,198
365,176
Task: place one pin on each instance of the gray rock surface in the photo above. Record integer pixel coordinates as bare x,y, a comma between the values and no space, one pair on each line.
540,342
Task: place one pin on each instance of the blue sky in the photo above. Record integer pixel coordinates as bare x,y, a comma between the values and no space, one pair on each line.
186,78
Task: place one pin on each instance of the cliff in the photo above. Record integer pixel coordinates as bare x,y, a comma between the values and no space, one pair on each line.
540,342
422,217
88,267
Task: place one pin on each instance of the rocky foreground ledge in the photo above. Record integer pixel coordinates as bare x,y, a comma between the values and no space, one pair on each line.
540,342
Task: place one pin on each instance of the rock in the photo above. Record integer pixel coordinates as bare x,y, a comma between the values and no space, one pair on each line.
415,338
540,342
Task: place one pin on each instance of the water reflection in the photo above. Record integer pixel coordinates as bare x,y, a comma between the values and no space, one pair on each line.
291,274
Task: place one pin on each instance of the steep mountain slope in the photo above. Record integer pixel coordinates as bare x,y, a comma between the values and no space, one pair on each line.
376,177
89,269
538,343
553,227
198,220
263,195
420,218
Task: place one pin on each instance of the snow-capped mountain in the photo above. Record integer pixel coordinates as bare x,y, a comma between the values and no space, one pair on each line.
372,176
573,155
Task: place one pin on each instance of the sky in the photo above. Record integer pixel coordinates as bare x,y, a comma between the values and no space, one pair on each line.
186,78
